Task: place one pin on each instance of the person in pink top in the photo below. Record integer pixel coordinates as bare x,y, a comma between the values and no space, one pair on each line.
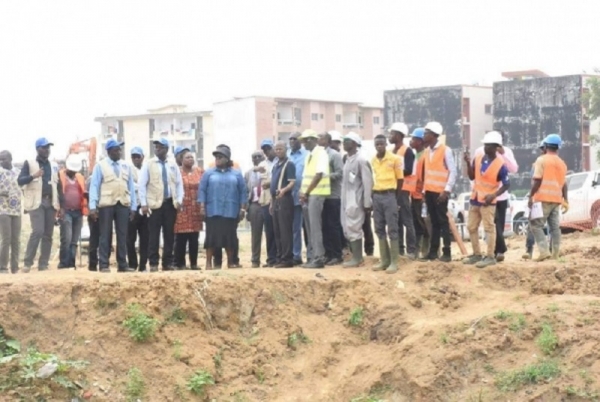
511,164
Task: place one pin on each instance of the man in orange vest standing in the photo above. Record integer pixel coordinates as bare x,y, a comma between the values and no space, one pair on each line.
486,171
550,189
73,209
405,218
416,202
439,176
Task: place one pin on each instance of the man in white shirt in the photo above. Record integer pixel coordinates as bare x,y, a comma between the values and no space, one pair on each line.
502,201
265,169
138,227
255,214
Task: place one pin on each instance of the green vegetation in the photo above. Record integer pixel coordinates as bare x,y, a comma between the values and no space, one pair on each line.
356,317
140,325
296,337
199,381
547,341
175,316
544,370
135,387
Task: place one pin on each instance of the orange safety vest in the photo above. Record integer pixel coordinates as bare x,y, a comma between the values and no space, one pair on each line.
81,181
487,182
417,194
553,180
410,182
436,172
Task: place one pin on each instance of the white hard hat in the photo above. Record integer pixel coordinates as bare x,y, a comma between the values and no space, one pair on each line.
335,135
73,163
434,127
352,136
399,127
493,137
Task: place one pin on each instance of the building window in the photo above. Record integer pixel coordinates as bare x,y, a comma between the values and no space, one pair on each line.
338,118
314,116
488,109
376,120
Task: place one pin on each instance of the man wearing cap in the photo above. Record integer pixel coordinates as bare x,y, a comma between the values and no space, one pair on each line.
332,225
505,154
41,200
405,218
314,190
179,154
74,205
439,176
10,215
161,194
265,168
138,226
336,140
112,201
486,171
255,214
94,227
297,155
530,240
357,185
419,220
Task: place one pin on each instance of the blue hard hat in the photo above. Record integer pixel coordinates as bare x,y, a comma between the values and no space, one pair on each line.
112,143
418,133
266,143
43,142
180,149
162,141
137,151
553,139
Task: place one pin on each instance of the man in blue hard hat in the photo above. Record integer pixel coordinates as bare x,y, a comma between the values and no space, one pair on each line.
530,240
138,226
420,219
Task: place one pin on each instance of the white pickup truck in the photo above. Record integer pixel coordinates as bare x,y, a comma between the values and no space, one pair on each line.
459,208
584,201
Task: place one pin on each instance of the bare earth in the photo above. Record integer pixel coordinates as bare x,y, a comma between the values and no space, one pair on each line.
432,332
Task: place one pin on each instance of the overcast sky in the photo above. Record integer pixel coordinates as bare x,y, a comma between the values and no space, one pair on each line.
66,62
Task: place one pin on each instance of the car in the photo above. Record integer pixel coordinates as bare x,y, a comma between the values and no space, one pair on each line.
584,202
520,215
460,213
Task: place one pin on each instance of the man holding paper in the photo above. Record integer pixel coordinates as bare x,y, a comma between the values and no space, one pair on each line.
548,194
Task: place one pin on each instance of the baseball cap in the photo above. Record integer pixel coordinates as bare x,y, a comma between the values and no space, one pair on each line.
43,142
137,151
266,143
180,149
352,136
112,143
309,133
335,135
162,141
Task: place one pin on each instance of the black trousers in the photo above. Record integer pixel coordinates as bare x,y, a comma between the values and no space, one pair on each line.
332,228
119,215
162,218
269,235
94,243
499,220
369,240
138,227
181,242
438,213
218,254
283,224
418,221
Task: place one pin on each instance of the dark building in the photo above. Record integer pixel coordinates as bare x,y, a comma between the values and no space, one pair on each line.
529,109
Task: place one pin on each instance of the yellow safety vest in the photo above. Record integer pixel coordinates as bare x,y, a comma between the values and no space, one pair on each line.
310,170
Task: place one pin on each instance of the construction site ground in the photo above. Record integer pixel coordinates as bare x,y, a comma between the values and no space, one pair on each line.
517,331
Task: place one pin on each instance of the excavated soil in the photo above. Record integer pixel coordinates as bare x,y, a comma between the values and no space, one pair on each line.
432,332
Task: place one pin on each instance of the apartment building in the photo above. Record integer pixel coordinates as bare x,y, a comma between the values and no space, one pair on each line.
243,123
174,122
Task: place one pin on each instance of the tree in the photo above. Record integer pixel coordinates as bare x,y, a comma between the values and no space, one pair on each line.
591,101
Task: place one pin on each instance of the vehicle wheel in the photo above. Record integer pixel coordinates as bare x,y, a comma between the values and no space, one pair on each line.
517,221
461,229
521,227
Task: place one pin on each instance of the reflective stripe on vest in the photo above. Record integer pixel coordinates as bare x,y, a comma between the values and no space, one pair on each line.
410,182
487,182
417,194
81,181
553,180
310,169
436,173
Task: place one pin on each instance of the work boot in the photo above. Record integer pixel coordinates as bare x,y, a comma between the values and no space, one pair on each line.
472,259
499,257
394,254
424,247
555,254
486,262
357,258
384,255
446,258
527,254
543,257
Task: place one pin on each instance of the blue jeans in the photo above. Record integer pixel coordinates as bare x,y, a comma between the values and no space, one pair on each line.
297,230
70,231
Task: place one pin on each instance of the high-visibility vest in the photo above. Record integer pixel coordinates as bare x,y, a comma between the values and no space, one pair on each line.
487,182
436,172
553,180
417,194
155,186
410,182
310,170
114,188
81,181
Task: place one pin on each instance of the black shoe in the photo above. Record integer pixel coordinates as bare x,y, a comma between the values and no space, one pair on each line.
126,270
105,270
284,265
256,265
334,261
298,262
42,269
446,258
369,253
428,257
268,265
195,268
93,269
3,270
154,268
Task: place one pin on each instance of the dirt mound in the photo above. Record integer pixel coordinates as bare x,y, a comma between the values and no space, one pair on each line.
433,332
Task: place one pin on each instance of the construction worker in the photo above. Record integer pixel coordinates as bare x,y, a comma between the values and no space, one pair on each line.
112,201
405,218
439,176
161,195
41,200
421,231
387,169
486,171
530,240
314,190
357,184
74,209
138,226
550,189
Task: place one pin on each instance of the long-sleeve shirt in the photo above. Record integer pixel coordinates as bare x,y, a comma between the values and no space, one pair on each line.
144,177
409,161
298,158
96,184
10,193
509,161
336,171
223,192
26,178
450,165
252,180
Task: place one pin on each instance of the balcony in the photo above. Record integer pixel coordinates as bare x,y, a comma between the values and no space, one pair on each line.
290,122
175,135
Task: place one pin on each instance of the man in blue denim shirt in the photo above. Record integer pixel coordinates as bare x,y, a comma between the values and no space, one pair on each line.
297,155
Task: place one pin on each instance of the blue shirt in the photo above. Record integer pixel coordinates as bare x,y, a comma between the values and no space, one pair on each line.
222,192
96,183
298,158
288,174
144,178
502,175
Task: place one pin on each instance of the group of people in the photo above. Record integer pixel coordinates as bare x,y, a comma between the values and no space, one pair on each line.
298,192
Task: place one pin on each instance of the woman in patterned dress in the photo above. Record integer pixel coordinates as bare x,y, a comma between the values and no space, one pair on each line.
188,223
